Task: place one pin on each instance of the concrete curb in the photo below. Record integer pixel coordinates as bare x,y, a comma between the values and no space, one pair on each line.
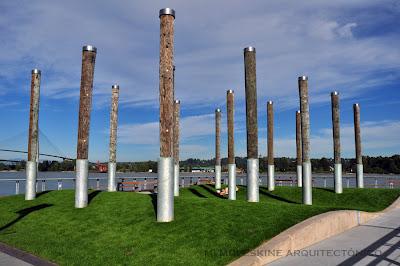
307,233
24,256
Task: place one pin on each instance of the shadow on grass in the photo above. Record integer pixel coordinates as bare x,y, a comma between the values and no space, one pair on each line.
326,189
153,197
92,195
197,193
269,194
211,190
42,193
24,212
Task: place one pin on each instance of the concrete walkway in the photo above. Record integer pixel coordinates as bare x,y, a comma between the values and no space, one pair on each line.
6,259
375,243
11,256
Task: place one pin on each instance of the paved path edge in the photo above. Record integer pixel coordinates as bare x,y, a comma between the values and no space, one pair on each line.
24,256
307,233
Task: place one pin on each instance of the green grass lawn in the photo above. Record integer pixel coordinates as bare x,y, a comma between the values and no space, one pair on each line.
120,228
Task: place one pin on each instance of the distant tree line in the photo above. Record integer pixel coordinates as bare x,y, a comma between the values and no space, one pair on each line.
379,165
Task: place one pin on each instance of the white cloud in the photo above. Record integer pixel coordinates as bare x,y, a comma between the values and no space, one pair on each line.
377,136
314,37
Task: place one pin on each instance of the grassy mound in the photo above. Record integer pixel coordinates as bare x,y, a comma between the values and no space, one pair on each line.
120,228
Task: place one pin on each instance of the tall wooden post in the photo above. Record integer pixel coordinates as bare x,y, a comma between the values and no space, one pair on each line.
177,110
298,150
336,141
231,145
251,124
85,106
165,195
33,137
270,131
217,148
305,139
357,134
112,164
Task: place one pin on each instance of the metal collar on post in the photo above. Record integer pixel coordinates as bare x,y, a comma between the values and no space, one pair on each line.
36,71
167,11
89,48
249,49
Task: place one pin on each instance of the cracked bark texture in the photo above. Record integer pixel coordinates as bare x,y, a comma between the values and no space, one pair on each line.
85,103
114,124
177,110
230,117
298,138
357,132
33,137
270,132
305,120
217,137
251,104
166,85
336,126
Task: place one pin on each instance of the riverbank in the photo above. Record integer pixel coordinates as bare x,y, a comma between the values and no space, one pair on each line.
120,228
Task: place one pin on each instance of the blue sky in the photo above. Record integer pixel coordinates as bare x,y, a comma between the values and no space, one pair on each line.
348,46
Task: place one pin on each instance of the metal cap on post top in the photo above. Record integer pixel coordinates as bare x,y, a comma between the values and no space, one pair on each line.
269,102
335,93
36,71
298,111
356,104
218,110
115,86
177,101
303,78
229,91
249,49
167,11
89,48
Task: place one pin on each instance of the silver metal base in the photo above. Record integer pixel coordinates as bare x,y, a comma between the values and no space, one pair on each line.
165,188
176,180
271,178
338,178
307,184
299,176
112,182
81,184
252,180
218,177
232,181
360,176
31,175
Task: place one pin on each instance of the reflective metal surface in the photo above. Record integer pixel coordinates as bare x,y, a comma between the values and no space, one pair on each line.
81,190
112,183
338,178
165,188
218,177
271,178
232,181
299,176
307,183
252,180
30,187
360,176
176,180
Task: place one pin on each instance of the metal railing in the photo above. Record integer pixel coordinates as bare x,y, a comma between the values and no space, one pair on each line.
147,183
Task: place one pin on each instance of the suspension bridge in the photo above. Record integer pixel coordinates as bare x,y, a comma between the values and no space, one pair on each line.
13,145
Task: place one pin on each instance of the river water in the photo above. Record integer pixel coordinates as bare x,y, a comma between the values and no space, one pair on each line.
53,180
